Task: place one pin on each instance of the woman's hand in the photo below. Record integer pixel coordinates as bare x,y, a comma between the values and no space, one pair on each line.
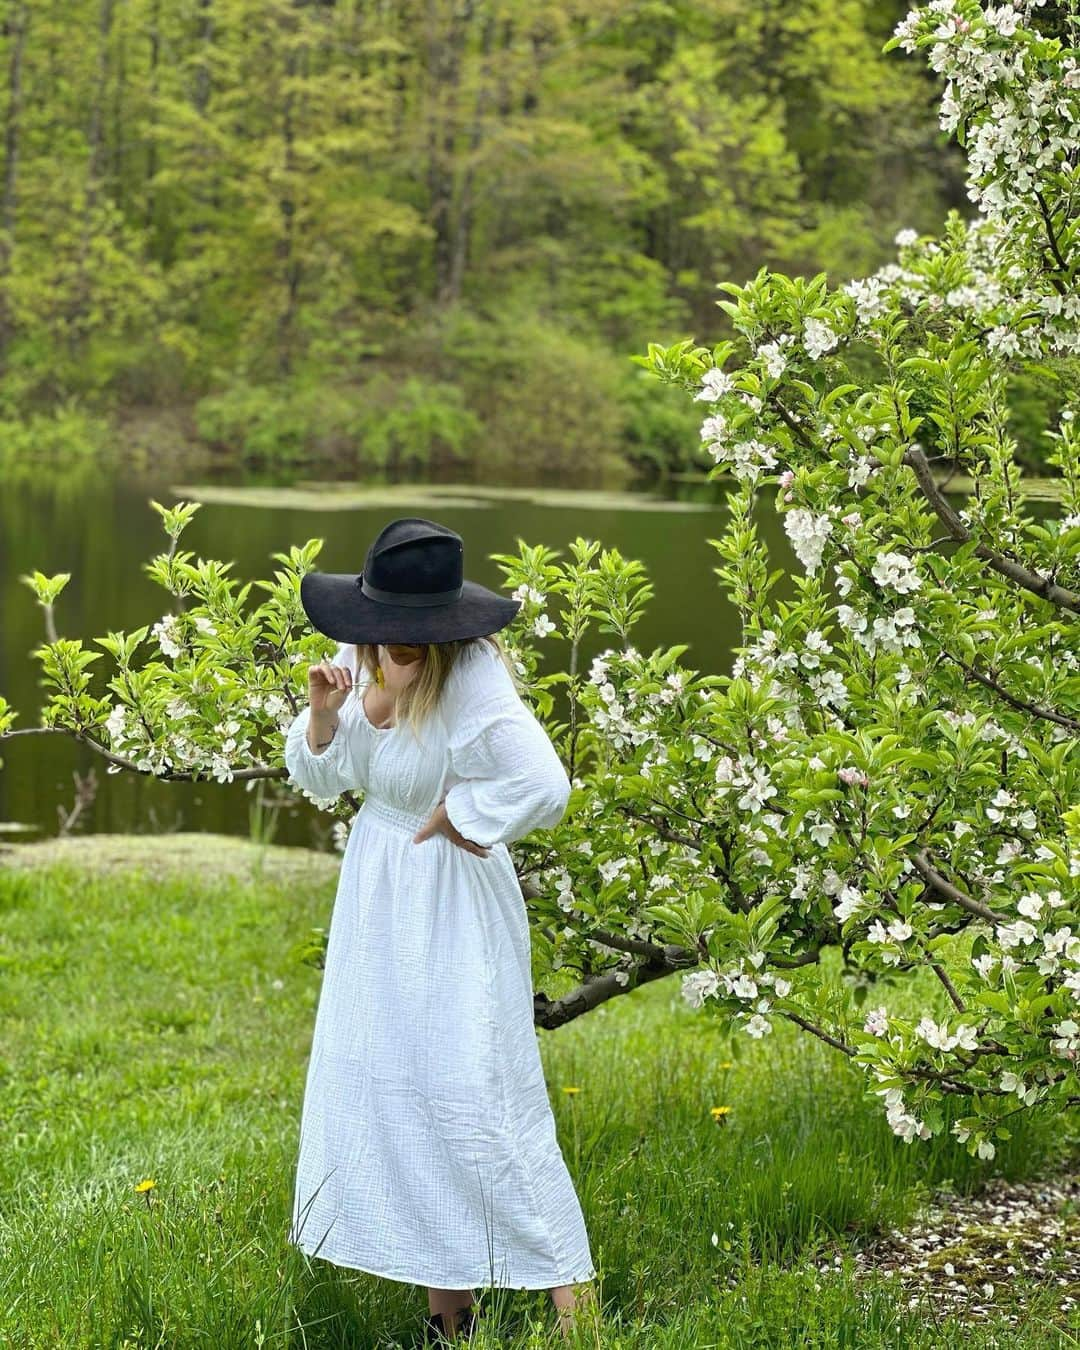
439,823
328,687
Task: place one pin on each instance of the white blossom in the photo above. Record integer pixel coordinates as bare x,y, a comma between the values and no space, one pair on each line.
877,1022
818,338
714,385
897,571
699,985
808,534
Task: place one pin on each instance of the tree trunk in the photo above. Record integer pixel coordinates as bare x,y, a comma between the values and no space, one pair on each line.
290,263
18,22
152,152
95,138
443,70
463,228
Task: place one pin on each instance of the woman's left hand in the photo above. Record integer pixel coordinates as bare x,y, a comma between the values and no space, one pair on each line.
439,823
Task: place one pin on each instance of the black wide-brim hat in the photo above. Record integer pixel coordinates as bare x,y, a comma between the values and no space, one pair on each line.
412,589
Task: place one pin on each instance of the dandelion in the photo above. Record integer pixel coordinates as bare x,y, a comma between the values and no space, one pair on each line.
571,1090
720,1114
145,1185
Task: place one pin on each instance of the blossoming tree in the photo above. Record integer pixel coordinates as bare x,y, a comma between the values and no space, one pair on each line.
894,755
890,768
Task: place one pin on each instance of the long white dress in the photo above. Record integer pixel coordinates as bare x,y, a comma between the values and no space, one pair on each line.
428,1150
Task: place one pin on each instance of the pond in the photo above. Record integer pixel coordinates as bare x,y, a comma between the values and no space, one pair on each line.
103,531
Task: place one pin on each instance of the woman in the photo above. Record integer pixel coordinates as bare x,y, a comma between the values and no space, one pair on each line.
427,1143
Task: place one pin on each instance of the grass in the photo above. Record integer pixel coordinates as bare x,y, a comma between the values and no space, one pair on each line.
347,496
157,1026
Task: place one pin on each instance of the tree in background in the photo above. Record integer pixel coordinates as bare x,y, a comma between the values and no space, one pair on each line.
266,206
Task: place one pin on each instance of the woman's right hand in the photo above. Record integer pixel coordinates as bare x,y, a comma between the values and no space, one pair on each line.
328,687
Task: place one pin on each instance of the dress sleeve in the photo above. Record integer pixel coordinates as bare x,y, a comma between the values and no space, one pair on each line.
343,765
511,779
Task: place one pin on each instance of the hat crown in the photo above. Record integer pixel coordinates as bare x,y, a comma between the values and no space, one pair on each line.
412,589
414,556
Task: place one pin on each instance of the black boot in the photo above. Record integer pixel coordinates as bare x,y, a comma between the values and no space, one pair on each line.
435,1332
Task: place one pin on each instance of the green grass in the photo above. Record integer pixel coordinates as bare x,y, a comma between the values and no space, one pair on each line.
309,495
157,1027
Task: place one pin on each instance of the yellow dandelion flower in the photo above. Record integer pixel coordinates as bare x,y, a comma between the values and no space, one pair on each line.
145,1185
720,1114
571,1089
724,1064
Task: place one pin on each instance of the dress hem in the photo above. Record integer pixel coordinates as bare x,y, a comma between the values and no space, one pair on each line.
485,1282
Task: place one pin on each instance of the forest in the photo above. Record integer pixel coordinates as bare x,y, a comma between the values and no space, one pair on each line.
392,236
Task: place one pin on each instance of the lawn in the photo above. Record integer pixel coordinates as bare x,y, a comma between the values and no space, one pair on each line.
155,1026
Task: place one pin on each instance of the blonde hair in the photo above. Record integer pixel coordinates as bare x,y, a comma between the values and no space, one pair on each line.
420,697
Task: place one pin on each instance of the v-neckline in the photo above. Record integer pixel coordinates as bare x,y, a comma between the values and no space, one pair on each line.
364,712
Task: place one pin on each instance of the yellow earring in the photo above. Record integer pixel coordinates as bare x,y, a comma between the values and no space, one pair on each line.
379,676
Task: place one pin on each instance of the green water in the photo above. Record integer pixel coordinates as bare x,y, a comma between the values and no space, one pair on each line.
103,531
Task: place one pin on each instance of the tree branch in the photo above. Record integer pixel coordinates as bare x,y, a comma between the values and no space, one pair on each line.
1008,567
819,1032
950,988
687,841
1052,240
168,775
671,955
596,989
932,877
1047,714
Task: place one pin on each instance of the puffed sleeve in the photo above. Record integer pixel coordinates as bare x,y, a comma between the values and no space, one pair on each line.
510,779
343,765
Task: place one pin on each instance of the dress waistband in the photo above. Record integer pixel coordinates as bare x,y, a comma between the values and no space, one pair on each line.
394,815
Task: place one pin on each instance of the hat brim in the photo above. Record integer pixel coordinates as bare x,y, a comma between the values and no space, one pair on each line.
337,606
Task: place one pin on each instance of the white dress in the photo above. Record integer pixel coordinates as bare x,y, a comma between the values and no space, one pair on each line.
427,1142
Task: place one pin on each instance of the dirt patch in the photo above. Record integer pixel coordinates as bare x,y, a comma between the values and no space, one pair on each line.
968,1256
169,854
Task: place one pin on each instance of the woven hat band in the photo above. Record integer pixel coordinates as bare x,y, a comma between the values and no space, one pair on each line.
415,598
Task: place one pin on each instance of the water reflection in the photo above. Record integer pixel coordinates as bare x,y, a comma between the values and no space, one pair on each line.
104,531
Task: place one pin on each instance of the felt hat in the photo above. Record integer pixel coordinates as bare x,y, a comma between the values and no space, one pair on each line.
412,589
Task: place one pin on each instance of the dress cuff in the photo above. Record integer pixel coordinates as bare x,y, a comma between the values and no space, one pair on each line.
463,815
310,769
